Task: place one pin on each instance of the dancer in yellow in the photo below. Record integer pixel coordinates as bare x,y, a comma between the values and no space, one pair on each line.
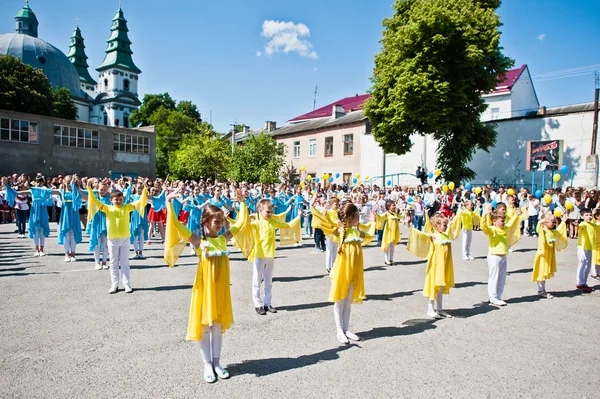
550,240
210,309
437,248
390,223
468,218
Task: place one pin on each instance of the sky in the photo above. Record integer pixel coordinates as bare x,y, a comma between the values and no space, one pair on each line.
247,62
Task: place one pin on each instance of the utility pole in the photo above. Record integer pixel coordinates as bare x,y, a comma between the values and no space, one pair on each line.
591,161
232,137
315,98
595,125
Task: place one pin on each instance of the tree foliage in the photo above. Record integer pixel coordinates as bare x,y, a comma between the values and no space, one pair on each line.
438,57
201,156
63,106
258,159
189,109
150,105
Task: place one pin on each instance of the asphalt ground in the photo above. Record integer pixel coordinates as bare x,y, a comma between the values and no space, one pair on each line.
63,335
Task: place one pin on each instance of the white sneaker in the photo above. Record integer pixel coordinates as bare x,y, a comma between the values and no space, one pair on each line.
498,302
36,254
511,250
73,259
113,290
342,338
471,258
98,266
128,289
105,267
444,314
465,258
67,259
135,256
433,314
42,254
352,336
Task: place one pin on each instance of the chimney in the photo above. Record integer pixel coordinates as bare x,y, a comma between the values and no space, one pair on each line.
543,110
338,111
246,129
270,126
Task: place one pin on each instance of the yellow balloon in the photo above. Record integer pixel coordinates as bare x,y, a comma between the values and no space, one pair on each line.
451,185
313,192
478,190
303,168
367,177
358,176
445,188
302,184
557,213
547,198
358,183
510,191
437,172
568,205
556,177
309,177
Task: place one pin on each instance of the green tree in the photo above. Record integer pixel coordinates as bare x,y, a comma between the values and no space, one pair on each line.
437,58
63,106
24,88
201,156
150,105
259,159
189,109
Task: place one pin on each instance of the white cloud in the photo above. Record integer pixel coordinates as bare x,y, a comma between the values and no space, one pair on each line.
541,37
287,37
315,69
258,53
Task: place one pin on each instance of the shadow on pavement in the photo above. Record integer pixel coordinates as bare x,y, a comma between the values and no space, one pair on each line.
413,326
524,271
375,268
469,284
264,367
301,278
477,309
305,306
411,262
389,297
165,288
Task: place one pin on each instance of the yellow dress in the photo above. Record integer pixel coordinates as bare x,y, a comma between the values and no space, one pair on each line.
437,248
391,229
349,266
549,242
596,254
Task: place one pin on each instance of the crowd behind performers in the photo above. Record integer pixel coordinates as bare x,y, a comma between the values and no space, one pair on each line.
131,213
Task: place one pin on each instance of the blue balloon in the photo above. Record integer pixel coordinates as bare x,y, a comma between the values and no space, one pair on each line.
409,200
430,175
389,182
494,203
355,180
468,186
538,194
331,180
337,175
317,179
564,169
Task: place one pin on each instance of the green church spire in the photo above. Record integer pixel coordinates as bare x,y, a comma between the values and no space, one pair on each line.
26,21
78,58
118,51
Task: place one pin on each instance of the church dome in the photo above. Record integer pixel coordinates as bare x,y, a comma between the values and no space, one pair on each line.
38,53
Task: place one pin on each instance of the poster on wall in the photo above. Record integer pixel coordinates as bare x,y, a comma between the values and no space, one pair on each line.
545,155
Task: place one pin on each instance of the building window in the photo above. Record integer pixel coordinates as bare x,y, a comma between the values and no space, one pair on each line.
18,130
348,144
105,119
125,121
329,146
66,136
296,149
106,84
495,112
347,177
312,147
131,143
126,85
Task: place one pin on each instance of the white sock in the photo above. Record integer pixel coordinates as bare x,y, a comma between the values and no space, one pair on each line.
439,299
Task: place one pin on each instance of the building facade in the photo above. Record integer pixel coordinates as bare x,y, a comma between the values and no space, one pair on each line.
52,146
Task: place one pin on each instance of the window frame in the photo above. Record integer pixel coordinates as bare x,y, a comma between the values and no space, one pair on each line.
328,146
76,137
131,143
312,148
349,143
296,149
19,130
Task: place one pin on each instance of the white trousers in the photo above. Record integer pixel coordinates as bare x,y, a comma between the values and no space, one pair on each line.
330,252
211,343
583,268
101,243
341,312
467,236
69,243
389,253
263,271
38,237
496,277
118,250
138,241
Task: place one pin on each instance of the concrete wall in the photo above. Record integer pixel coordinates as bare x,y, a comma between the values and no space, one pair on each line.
320,164
51,160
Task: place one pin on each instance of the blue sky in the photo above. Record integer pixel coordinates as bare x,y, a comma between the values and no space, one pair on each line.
225,58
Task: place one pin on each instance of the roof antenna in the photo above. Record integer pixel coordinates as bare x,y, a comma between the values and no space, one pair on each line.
315,100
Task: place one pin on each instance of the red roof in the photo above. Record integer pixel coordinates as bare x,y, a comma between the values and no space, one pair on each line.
505,86
349,104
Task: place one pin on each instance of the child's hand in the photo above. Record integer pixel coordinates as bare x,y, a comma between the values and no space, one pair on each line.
487,209
518,211
565,217
336,232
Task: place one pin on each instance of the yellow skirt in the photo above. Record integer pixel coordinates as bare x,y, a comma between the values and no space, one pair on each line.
596,256
440,271
391,235
211,297
348,269
544,265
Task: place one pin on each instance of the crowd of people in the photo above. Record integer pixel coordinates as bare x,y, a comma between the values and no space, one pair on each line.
123,216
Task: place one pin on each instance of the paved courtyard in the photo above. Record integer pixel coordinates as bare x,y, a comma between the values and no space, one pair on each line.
64,336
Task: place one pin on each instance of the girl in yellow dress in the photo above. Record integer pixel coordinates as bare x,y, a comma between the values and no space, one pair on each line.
390,223
550,240
210,310
347,275
437,248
